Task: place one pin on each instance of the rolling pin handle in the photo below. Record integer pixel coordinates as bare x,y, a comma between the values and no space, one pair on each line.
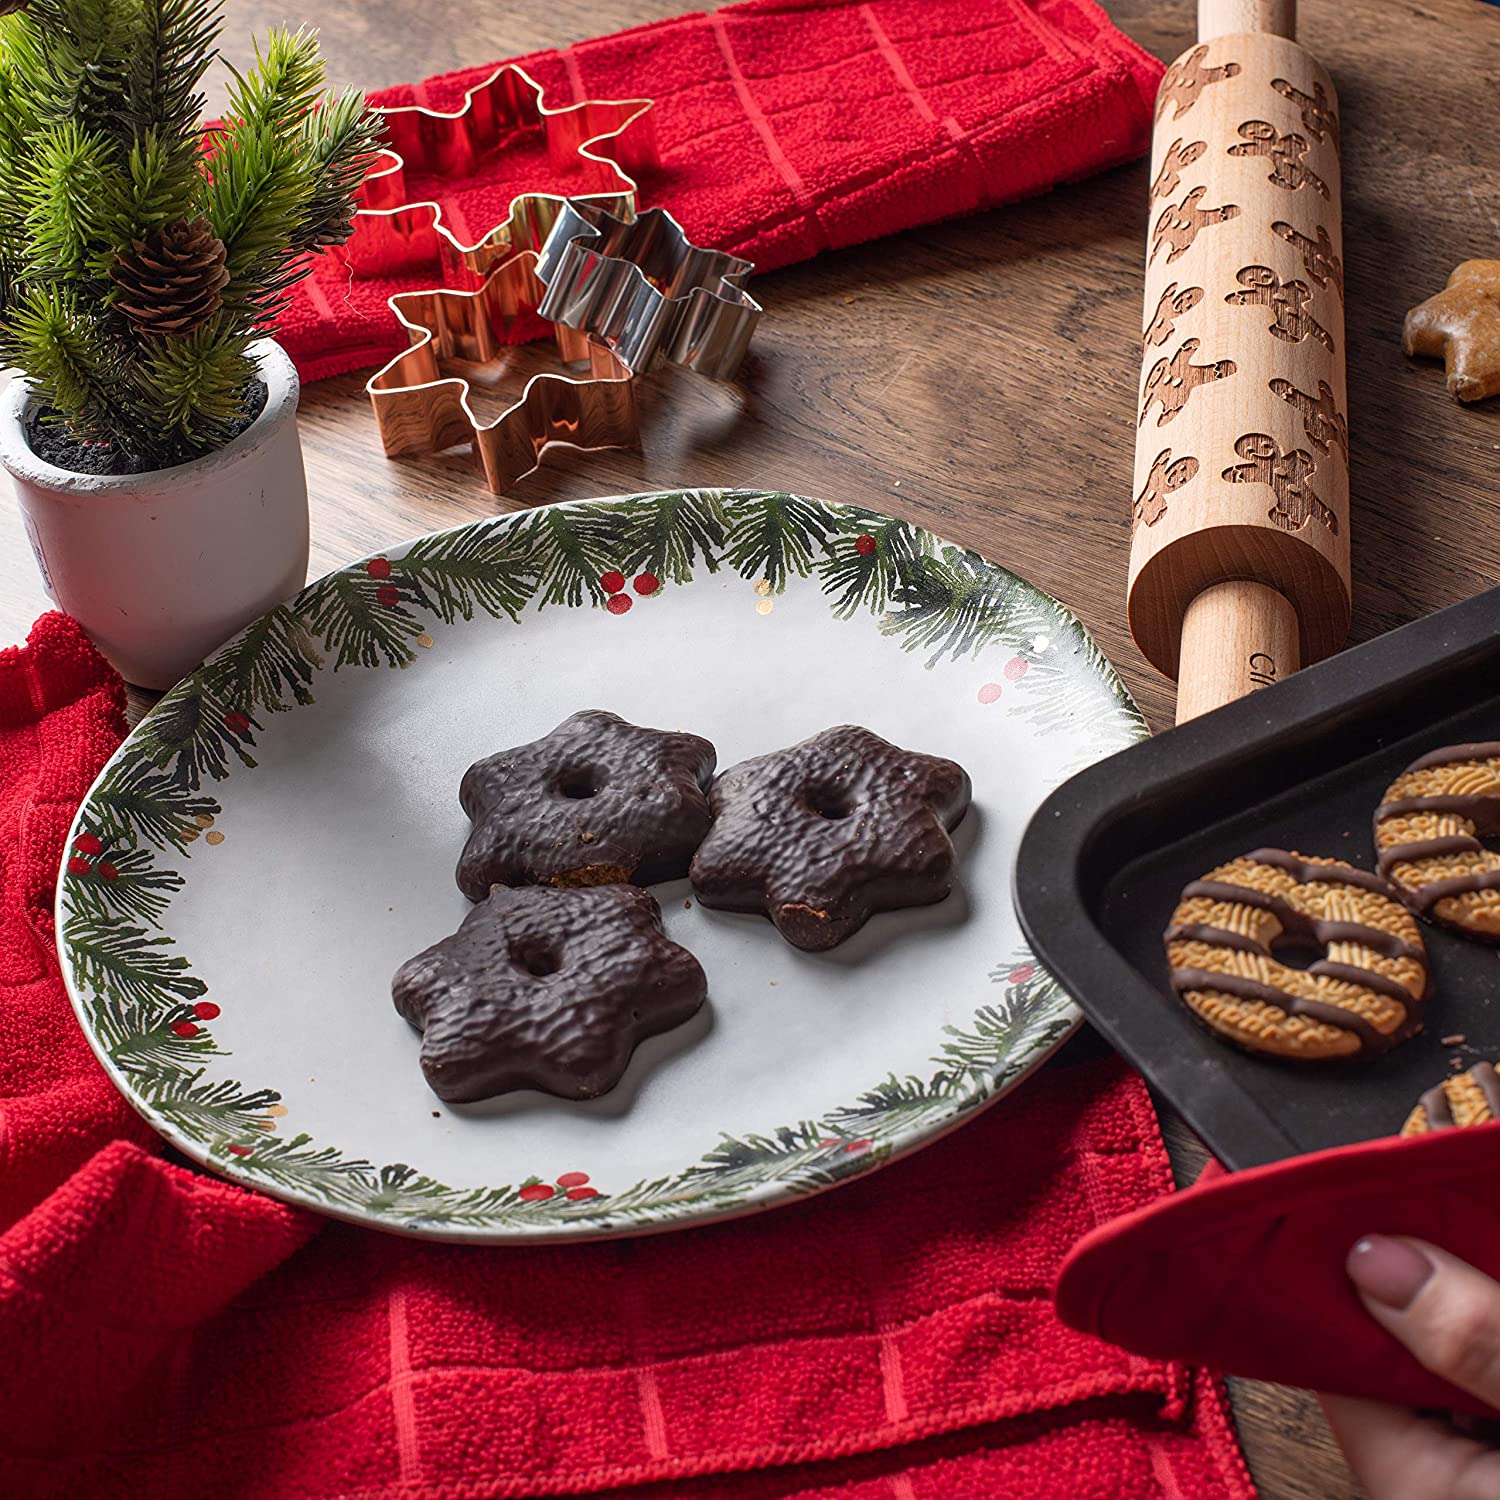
1236,637
1231,17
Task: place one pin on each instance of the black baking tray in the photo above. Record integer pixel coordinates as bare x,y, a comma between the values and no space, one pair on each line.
1300,765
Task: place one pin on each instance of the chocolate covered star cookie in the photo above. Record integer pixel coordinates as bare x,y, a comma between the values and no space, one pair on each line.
821,835
546,989
596,802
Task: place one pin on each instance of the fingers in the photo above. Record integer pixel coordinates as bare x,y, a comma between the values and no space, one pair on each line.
1441,1308
1396,1455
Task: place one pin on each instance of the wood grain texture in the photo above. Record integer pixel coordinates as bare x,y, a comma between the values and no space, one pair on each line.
978,377
1225,17
1237,637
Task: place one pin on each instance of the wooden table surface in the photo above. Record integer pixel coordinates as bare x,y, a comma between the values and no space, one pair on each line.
920,375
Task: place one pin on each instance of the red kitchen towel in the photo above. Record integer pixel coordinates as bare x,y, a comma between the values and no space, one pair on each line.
171,1335
789,127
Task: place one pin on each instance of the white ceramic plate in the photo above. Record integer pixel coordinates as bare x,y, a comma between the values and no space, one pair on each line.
281,831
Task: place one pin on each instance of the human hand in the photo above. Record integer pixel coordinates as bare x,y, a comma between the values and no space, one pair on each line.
1448,1315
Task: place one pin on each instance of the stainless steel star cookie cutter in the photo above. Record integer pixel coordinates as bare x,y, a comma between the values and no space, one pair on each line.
646,292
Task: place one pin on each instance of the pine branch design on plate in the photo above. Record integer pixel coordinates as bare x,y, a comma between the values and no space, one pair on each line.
123,883
126,961
775,536
1071,688
957,604
870,559
357,618
137,801
218,1112
675,531
272,662
147,1008
571,550
488,568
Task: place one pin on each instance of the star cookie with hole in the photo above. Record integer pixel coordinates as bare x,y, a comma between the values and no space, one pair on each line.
597,801
546,989
1461,326
820,836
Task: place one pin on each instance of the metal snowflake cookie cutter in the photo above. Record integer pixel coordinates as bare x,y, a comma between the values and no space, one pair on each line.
639,285
419,408
395,234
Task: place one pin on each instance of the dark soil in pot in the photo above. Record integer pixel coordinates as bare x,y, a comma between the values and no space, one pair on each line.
54,444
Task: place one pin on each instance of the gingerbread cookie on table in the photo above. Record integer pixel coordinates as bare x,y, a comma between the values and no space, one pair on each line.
821,835
1471,1098
546,989
1461,326
1362,995
597,801
1429,830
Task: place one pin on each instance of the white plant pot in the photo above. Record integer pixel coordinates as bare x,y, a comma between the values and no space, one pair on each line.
160,568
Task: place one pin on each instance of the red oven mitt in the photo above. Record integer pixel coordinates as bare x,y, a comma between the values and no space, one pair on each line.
1245,1271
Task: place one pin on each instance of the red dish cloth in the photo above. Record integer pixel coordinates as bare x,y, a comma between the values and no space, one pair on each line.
171,1335
789,127
1246,1270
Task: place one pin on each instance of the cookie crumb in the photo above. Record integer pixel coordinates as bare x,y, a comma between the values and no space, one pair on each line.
687,906
437,1114
1456,1040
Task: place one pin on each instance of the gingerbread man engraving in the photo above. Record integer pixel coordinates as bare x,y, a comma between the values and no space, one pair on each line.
1173,305
1178,224
1172,381
1186,79
1289,476
1319,118
1178,156
1318,260
1284,152
1167,474
1324,424
1288,302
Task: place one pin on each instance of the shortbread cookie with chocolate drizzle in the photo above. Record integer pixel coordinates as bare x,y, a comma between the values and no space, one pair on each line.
1471,1098
1429,829
1363,993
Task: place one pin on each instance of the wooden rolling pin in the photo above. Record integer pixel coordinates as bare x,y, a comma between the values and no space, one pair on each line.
1239,555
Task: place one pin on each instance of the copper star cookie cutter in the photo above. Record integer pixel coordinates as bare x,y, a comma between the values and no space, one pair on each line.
641,287
419,408
395,234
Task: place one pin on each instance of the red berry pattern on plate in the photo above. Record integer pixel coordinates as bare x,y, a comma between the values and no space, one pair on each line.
864,545
646,583
378,567
536,1192
185,1028
619,603
79,866
236,722
612,582
108,871
206,1010
88,843
1015,668
388,595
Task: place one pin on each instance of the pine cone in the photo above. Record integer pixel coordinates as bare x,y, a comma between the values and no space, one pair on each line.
173,283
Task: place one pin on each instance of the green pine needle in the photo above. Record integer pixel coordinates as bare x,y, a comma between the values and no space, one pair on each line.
101,152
